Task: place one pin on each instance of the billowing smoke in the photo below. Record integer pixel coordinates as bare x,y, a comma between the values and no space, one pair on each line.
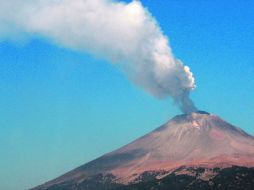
125,34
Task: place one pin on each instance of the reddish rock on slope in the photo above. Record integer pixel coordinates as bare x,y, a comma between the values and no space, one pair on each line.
198,139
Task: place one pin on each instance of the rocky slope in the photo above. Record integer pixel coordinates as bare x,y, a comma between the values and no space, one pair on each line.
190,141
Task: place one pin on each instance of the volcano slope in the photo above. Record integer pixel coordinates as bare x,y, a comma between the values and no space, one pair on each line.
191,151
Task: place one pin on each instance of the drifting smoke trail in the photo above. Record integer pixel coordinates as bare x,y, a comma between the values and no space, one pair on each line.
123,33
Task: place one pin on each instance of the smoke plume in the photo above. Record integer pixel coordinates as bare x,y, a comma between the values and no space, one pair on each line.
125,34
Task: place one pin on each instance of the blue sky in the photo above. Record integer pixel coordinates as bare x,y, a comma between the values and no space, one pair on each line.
60,108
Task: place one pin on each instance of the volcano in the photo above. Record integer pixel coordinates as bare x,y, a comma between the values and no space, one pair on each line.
191,151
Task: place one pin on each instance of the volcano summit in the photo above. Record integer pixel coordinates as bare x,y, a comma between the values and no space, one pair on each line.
191,151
